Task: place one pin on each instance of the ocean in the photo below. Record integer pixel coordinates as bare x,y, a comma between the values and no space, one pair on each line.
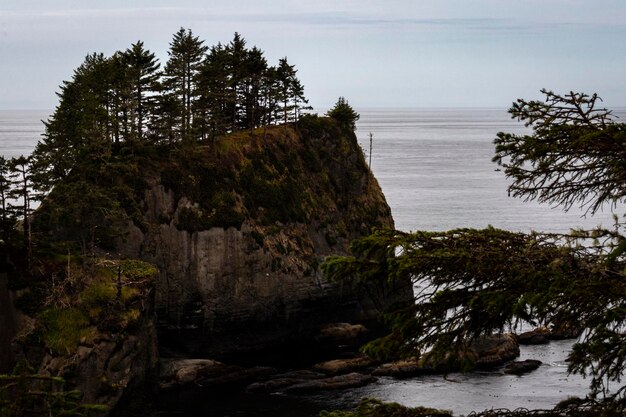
434,166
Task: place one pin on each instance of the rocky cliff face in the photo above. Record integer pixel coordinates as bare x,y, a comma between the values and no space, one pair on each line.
238,232
93,326
9,323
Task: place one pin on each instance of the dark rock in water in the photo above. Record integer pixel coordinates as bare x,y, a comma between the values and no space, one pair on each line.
179,372
538,336
352,380
401,369
485,352
522,367
206,372
344,366
278,382
240,377
309,381
495,350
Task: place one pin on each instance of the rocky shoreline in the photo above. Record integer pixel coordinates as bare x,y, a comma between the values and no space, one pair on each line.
350,371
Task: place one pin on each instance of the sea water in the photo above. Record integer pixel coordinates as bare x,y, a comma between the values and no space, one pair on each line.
434,166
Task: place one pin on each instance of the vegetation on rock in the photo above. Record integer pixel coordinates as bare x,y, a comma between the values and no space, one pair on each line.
343,112
204,127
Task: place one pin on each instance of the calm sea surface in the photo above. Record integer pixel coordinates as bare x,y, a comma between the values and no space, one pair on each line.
434,166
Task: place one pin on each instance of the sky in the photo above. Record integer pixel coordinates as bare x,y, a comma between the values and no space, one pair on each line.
376,53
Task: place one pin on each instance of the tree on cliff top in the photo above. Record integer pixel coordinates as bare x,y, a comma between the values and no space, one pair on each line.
474,282
343,112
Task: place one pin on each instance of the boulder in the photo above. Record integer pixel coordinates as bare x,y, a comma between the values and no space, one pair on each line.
206,372
185,371
522,367
352,380
278,382
484,352
495,350
539,336
401,369
344,366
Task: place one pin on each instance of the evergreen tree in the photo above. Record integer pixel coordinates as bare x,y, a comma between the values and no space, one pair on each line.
574,156
286,79
82,126
21,195
181,77
24,393
269,97
214,92
237,57
143,74
344,113
255,71
5,189
299,100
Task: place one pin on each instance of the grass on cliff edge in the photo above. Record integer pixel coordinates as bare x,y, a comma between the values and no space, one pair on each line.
91,299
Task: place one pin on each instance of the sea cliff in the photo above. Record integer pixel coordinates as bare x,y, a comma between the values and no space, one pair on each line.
238,233
228,235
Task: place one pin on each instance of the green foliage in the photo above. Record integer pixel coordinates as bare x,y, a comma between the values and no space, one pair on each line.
114,113
573,157
134,269
344,113
476,282
24,393
63,329
104,297
375,408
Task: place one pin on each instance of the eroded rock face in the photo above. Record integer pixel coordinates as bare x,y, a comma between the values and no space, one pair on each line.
228,289
113,370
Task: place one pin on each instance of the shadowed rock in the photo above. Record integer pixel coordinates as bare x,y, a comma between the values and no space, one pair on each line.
522,367
538,336
352,380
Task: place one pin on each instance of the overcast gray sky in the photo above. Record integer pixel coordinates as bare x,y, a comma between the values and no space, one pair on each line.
383,53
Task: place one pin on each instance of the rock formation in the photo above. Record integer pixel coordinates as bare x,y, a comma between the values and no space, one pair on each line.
238,254
237,230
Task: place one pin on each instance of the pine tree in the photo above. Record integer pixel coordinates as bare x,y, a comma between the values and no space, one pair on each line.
255,68
21,194
237,56
343,112
286,78
269,97
213,85
83,125
181,77
143,73
5,188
